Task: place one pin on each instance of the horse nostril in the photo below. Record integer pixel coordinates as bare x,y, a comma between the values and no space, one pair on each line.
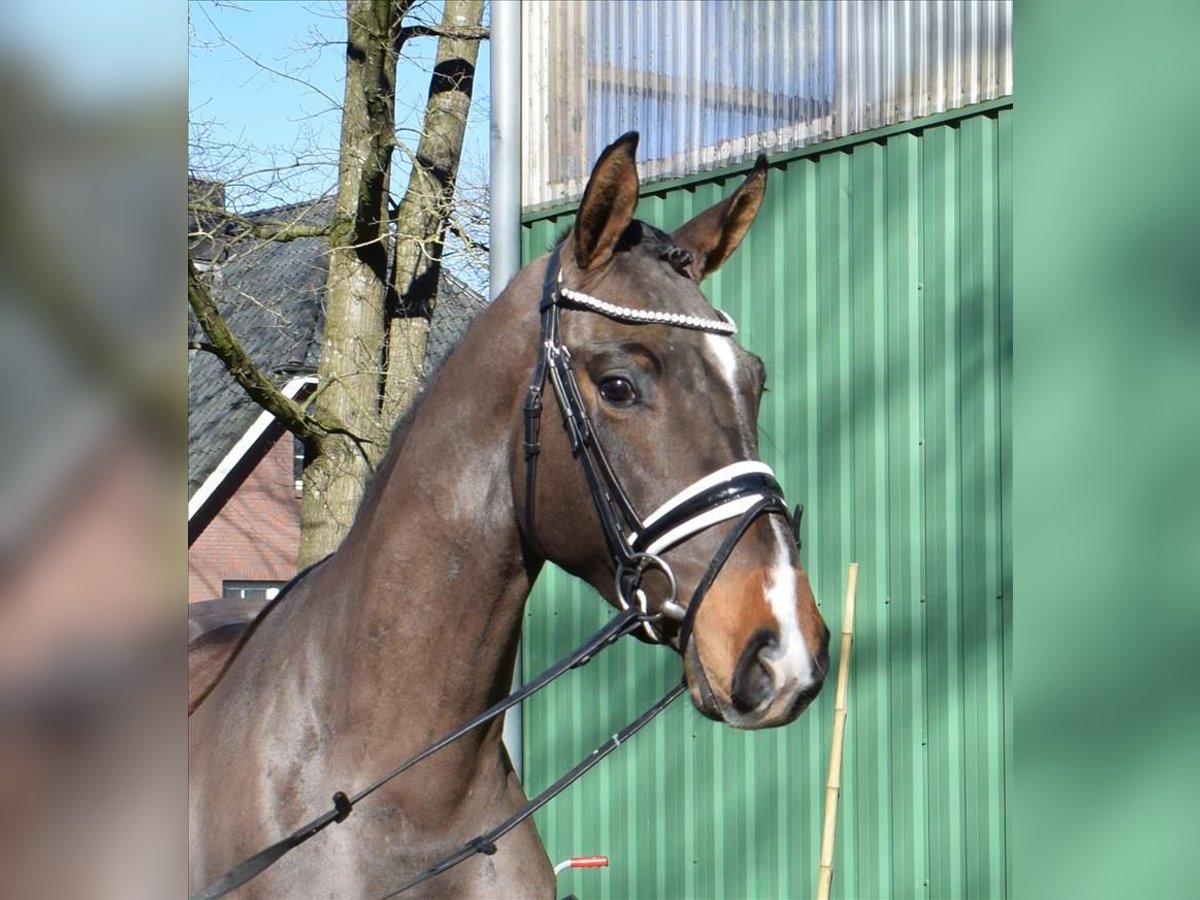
753,683
823,662
823,655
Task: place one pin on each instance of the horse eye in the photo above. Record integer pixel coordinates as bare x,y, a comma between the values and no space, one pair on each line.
618,390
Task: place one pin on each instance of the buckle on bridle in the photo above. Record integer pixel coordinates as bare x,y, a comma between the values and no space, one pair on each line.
629,591
533,414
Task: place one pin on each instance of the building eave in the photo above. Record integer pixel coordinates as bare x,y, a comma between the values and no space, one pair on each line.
244,445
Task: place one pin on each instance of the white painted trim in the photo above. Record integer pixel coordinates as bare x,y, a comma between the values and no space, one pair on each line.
242,447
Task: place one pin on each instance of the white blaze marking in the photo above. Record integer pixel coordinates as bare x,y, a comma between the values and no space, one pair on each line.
726,359
722,349
792,664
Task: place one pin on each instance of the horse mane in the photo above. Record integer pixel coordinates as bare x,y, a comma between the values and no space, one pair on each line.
369,491
399,431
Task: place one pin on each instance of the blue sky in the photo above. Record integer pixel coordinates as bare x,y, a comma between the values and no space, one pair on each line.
118,51
264,82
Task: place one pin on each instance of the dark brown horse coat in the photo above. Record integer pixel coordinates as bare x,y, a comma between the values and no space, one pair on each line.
411,627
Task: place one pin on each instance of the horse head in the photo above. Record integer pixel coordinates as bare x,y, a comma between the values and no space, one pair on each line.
653,492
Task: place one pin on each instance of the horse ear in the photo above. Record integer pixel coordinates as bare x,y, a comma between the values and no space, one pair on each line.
715,233
608,203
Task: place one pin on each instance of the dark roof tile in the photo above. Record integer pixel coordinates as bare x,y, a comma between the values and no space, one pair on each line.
272,296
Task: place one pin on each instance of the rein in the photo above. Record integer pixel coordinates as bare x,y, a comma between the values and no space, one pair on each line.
343,805
486,843
743,491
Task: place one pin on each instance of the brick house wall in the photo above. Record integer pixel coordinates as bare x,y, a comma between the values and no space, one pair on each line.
255,536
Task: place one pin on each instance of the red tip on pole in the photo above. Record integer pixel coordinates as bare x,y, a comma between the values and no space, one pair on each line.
589,862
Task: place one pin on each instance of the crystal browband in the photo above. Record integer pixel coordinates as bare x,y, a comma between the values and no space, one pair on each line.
725,325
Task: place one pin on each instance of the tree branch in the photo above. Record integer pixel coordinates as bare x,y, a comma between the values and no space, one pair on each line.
310,428
257,62
282,233
469,242
269,230
459,32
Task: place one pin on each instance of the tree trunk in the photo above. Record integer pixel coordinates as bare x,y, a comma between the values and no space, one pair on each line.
423,214
352,352
381,288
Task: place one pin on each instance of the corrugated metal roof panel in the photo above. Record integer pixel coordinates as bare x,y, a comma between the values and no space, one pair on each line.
876,285
713,82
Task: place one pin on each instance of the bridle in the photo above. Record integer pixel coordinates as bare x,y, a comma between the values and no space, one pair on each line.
742,491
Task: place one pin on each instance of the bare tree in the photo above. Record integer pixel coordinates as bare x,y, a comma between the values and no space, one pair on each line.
384,263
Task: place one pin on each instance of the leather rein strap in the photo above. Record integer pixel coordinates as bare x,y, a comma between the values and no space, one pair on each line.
614,629
486,843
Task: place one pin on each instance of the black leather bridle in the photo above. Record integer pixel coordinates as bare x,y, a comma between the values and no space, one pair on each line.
742,491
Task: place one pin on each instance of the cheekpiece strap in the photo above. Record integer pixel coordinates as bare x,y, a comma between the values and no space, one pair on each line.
533,397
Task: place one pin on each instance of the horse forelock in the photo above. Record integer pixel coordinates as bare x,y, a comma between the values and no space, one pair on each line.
638,234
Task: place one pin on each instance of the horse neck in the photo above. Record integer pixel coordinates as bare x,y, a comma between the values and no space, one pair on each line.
435,572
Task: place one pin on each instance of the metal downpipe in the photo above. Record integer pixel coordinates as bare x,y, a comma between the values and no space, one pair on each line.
505,216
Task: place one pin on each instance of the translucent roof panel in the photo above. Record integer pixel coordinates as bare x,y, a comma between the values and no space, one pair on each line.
709,83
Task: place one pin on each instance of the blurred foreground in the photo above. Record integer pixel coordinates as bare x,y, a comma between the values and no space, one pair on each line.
92,475
92,387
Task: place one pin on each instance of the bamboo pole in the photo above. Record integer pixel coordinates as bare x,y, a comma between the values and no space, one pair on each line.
833,785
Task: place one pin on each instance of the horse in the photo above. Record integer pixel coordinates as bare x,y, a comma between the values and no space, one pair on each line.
411,627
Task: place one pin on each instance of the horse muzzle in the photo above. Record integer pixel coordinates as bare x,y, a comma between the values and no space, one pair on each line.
752,667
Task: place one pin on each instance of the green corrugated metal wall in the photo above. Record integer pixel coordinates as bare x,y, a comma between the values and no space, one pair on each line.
876,285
